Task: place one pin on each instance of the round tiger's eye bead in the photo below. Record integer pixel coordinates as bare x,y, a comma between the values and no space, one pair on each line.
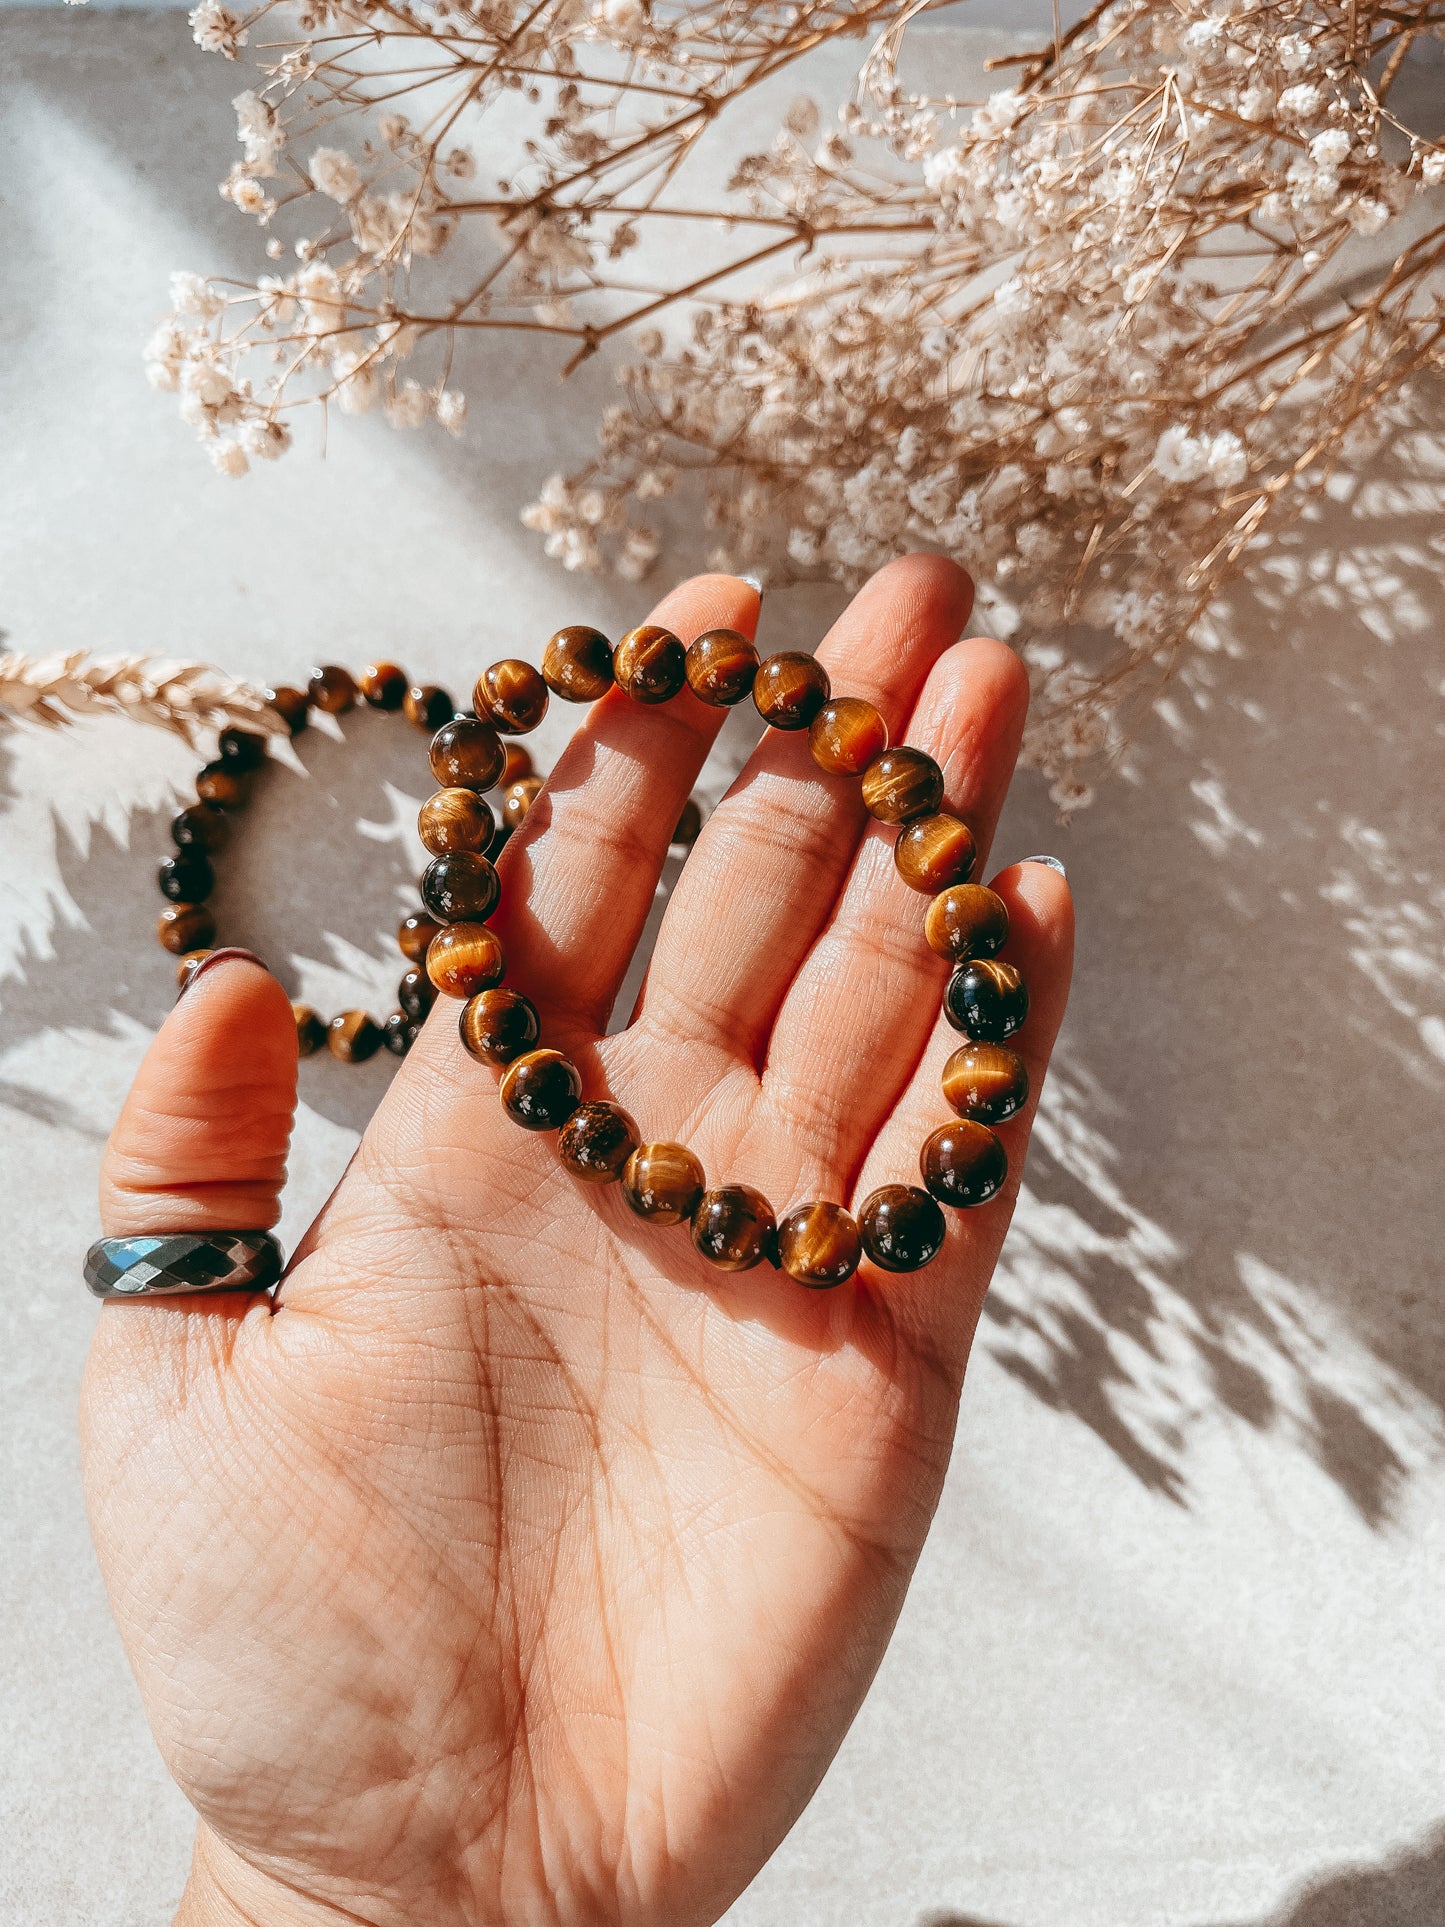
241,748
986,1000
986,1082
541,1090
291,705
461,888
517,765
963,1163
596,1141
512,695
650,664
455,820
818,1244
967,920
721,667
902,783
189,965
384,685
790,689
689,824
201,828
934,852
226,787
399,1033
186,877
498,1025
464,959
901,1227
733,1227
427,706
845,736
331,688
467,754
310,1030
415,993
663,1183
185,926
517,799
577,664
353,1036
414,933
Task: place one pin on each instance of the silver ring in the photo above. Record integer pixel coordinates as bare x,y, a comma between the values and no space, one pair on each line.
171,1264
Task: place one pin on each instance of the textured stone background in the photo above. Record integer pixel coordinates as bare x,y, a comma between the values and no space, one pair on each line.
1172,1658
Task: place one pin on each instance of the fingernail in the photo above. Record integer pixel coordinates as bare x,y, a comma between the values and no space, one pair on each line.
216,957
753,582
1049,863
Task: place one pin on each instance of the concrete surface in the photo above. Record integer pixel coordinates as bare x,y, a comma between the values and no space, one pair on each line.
1172,1658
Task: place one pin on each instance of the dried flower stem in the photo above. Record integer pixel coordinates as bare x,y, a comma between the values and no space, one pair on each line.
189,699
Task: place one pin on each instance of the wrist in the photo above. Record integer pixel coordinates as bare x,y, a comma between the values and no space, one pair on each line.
223,1890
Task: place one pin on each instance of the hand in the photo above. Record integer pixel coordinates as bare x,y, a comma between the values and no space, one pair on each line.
520,1567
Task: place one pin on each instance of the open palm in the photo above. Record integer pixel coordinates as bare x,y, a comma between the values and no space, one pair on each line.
521,1567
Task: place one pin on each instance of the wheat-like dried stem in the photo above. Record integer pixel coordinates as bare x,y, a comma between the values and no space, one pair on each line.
190,699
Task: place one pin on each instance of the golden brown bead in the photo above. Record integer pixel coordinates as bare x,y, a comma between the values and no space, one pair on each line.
818,1244
467,754
901,1227
201,827
455,820
310,1030
733,1227
986,1082
185,926
541,1090
291,705
498,1025
963,1164
902,783
518,798
416,993
353,1036
460,889
517,765
384,685
663,1183
189,965
577,664
986,999
845,736
721,666
240,748
225,787
512,695
689,824
464,959
427,706
790,689
399,1033
596,1142
967,920
650,664
185,877
414,933
331,688
934,852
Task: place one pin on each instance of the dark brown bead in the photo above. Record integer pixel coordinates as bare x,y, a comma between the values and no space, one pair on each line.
461,888
467,754
986,999
498,1025
689,824
399,1033
185,926
733,1227
384,685
517,799
902,783
845,736
455,820
189,965
241,748
427,706
415,992
227,788
934,852
310,1030
201,827
650,664
414,933
577,664
966,920
986,1082
596,1142
541,1090
663,1183
901,1227
291,705
332,688
721,666
512,695
818,1245
963,1163
790,689
517,765
186,877
465,958
353,1036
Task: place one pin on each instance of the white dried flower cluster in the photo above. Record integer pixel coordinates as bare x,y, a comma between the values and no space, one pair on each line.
190,699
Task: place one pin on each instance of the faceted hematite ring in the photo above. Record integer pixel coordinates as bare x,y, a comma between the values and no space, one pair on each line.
175,1263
